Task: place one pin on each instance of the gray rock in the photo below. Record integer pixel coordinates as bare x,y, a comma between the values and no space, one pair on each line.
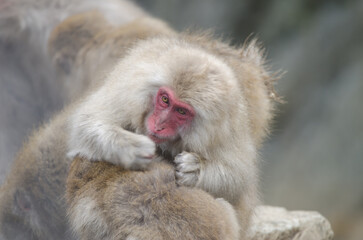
276,223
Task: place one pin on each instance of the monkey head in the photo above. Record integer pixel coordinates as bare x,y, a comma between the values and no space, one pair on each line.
191,92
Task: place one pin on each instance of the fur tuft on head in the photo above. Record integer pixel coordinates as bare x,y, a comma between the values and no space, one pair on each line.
253,50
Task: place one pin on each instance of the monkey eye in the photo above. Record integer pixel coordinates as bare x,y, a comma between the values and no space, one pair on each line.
165,99
181,111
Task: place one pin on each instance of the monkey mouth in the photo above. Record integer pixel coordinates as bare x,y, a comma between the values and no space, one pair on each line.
156,139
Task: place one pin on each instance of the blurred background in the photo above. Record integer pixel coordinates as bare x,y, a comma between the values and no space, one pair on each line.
314,157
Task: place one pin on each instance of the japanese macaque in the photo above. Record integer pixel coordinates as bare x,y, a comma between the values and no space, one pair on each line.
147,94
109,202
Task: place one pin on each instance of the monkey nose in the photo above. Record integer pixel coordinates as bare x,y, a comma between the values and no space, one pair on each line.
159,128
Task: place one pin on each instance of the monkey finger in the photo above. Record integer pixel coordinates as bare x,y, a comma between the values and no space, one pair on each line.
145,152
187,167
186,157
150,156
145,155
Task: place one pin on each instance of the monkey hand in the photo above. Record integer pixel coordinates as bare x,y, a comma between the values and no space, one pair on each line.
129,150
138,155
187,169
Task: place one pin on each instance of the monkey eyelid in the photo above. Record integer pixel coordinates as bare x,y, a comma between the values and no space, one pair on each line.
181,111
164,99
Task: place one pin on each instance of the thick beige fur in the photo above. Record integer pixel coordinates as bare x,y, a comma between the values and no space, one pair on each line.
117,70
108,202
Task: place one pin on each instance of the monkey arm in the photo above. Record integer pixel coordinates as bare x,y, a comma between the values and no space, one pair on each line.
101,140
96,132
227,179
234,178
231,177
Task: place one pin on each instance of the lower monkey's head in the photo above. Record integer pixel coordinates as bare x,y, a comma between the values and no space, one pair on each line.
181,91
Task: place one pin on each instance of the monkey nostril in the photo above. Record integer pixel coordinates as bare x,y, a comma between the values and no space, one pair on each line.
159,129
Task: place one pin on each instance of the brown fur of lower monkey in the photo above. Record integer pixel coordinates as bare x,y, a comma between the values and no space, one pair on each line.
32,198
32,204
108,202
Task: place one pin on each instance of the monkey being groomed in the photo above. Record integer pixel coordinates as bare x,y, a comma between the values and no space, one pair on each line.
108,202
159,118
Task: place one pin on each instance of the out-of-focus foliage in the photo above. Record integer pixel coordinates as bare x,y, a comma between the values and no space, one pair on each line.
314,159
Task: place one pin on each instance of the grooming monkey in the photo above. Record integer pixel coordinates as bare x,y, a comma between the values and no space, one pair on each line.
191,95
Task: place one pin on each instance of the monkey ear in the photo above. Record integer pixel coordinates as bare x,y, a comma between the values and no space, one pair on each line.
70,36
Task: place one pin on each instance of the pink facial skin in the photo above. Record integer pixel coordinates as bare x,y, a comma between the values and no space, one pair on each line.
168,117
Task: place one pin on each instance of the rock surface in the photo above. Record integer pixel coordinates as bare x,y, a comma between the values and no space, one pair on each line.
275,223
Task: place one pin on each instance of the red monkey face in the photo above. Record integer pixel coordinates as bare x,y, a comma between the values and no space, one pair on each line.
169,116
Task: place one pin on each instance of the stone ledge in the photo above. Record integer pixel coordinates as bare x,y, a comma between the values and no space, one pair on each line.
276,223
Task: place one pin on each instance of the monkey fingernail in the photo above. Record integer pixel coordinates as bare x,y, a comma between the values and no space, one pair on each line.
149,157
